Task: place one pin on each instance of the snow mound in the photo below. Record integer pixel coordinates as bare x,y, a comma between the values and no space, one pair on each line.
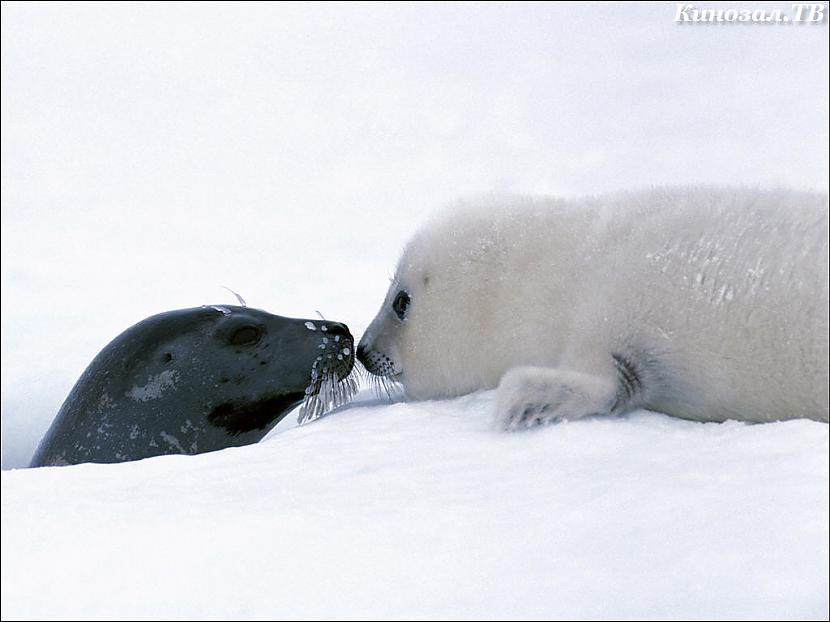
422,510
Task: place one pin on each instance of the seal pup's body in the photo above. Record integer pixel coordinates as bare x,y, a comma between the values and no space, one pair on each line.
701,303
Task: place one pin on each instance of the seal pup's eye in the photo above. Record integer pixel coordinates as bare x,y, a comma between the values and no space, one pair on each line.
401,304
245,336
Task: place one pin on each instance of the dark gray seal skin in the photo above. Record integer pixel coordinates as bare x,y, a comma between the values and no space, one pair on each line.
192,381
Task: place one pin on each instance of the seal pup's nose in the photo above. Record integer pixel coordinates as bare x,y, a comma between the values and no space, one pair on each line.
361,353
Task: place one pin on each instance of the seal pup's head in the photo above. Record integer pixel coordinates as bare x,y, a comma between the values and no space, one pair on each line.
450,321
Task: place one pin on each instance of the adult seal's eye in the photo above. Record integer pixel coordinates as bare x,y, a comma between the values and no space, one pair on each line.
401,304
245,336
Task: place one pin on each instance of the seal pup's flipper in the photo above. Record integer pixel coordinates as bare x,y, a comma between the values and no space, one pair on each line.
531,396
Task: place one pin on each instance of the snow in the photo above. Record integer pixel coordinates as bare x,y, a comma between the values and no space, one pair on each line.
422,510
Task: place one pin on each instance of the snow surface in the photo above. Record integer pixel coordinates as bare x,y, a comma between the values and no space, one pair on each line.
421,510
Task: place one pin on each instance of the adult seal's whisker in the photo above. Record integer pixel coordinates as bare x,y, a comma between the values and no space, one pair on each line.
238,297
324,394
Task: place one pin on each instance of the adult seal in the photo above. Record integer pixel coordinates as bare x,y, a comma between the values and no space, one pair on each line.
701,303
197,380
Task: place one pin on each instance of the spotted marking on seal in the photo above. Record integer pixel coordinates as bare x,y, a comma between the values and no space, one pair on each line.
155,387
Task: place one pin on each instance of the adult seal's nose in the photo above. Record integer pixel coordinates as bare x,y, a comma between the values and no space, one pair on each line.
336,328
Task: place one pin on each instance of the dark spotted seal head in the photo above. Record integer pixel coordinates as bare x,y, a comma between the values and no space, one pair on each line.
197,380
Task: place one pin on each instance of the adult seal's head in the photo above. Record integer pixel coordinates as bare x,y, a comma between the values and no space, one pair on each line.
197,380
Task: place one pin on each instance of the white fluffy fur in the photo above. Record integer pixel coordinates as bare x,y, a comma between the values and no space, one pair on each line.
718,299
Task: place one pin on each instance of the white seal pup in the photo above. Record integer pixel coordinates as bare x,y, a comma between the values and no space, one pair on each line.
701,303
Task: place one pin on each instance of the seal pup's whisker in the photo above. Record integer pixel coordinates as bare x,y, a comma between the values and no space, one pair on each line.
385,387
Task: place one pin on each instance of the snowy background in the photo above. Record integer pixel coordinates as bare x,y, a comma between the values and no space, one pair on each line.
152,153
